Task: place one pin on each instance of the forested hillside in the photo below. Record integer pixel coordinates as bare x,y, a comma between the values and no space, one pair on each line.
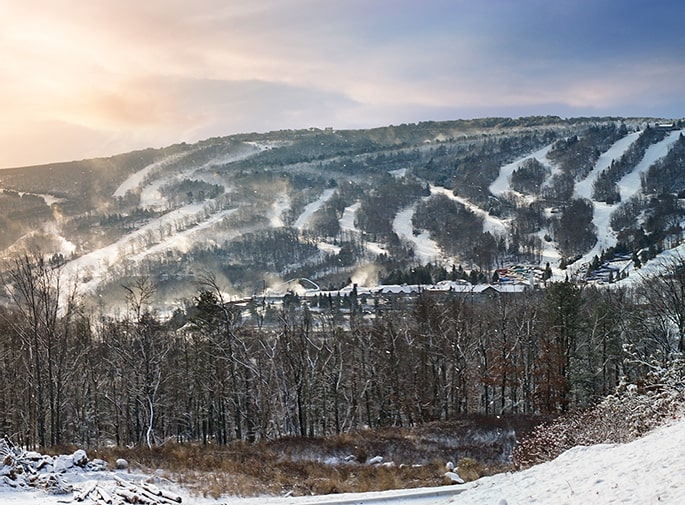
334,207
221,290
211,373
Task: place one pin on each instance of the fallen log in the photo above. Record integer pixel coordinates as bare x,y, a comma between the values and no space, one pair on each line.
82,494
151,488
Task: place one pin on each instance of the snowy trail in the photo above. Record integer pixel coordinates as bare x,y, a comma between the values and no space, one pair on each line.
347,225
302,221
169,231
48,199
501,184
631,183
629,186
425,248
347,220
135,181
149,185
585,187
278,208
492,224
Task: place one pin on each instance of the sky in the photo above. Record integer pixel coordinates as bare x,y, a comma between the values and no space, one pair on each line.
80,79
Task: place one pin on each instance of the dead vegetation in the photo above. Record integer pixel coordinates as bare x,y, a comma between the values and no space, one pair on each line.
367,460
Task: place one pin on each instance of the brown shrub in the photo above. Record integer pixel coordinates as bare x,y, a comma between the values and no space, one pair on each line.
306,465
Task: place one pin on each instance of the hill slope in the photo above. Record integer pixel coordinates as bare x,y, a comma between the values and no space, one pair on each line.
258,210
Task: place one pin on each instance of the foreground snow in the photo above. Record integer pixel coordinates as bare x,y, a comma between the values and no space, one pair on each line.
648,470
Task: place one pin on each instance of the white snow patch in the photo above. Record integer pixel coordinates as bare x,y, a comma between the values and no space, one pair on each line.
425,248
347,220
502,184
328,248
278,208
302,221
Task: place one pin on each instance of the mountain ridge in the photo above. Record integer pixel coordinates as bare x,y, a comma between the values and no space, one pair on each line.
337,206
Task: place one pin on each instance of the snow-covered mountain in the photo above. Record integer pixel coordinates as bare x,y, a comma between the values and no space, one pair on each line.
593,198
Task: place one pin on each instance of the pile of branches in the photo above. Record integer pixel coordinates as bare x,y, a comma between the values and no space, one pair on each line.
125,492
32,470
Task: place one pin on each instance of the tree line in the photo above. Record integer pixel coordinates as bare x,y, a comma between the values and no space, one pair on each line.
216,372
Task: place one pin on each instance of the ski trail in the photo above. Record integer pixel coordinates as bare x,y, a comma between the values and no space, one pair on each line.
347,225
632,182
170,229
151,179
502,184
497,227
302,221
425,248
629,185
136,180
584,188
278,208
347,220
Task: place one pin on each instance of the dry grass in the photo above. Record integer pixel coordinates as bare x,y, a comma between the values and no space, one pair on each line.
304,466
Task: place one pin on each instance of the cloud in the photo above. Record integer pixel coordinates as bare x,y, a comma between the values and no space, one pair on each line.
162,71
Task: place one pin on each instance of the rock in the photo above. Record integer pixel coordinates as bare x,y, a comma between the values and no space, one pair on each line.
122,464
449,466
80,458
453,478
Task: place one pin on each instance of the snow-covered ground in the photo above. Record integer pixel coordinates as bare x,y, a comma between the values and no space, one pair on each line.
426,249
347,220
502,184
48,199
280,206
170,231
628,186
135,181
303,219
497,227
347,225
646,471
585,187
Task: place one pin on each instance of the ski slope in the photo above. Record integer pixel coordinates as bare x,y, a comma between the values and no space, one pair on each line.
629,186
502,184
302,221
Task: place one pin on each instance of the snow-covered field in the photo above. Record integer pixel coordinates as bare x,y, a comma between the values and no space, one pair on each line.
649,470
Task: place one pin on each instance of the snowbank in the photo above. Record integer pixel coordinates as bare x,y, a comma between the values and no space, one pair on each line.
648,470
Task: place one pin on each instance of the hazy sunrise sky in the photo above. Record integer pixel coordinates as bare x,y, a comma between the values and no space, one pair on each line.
86,78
